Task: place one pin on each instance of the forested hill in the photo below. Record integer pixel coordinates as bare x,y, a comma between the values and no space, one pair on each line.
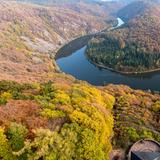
133,9
136,8
135,46
57,1
95,7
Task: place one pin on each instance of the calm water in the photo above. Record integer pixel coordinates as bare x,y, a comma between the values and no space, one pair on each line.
77,65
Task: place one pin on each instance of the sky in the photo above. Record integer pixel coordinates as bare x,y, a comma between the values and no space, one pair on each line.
106,0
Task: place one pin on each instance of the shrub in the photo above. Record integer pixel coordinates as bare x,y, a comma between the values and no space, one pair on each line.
4,97
61,97
5,149
146,133
156,106
3,101
48,113
16,135
47,89
132,134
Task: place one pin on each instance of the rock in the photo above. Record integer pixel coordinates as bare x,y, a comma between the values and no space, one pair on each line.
37,60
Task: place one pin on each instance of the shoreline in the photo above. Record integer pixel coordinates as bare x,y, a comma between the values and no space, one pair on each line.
80,42
86,38
72,46
121,72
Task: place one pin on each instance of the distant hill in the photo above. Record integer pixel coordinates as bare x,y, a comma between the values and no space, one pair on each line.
49,1
134,47
93,6
133,9
60,1
136,7
126,1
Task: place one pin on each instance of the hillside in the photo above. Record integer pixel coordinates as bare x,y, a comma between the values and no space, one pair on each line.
135,46
51,2
73,120
94,7
136,115
31,34
133,9
136,8
54,121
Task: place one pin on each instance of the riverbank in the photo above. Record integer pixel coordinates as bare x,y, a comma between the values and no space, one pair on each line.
121,72
76,44
72,46
71,59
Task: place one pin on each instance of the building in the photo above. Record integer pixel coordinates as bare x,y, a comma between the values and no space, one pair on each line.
145,155
145,150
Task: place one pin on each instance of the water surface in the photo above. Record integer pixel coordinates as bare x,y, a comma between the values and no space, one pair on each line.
78,65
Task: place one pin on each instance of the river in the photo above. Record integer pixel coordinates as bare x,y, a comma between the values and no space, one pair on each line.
77,64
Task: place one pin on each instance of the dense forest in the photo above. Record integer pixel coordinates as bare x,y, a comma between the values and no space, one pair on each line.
55,121
134,47
136,115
